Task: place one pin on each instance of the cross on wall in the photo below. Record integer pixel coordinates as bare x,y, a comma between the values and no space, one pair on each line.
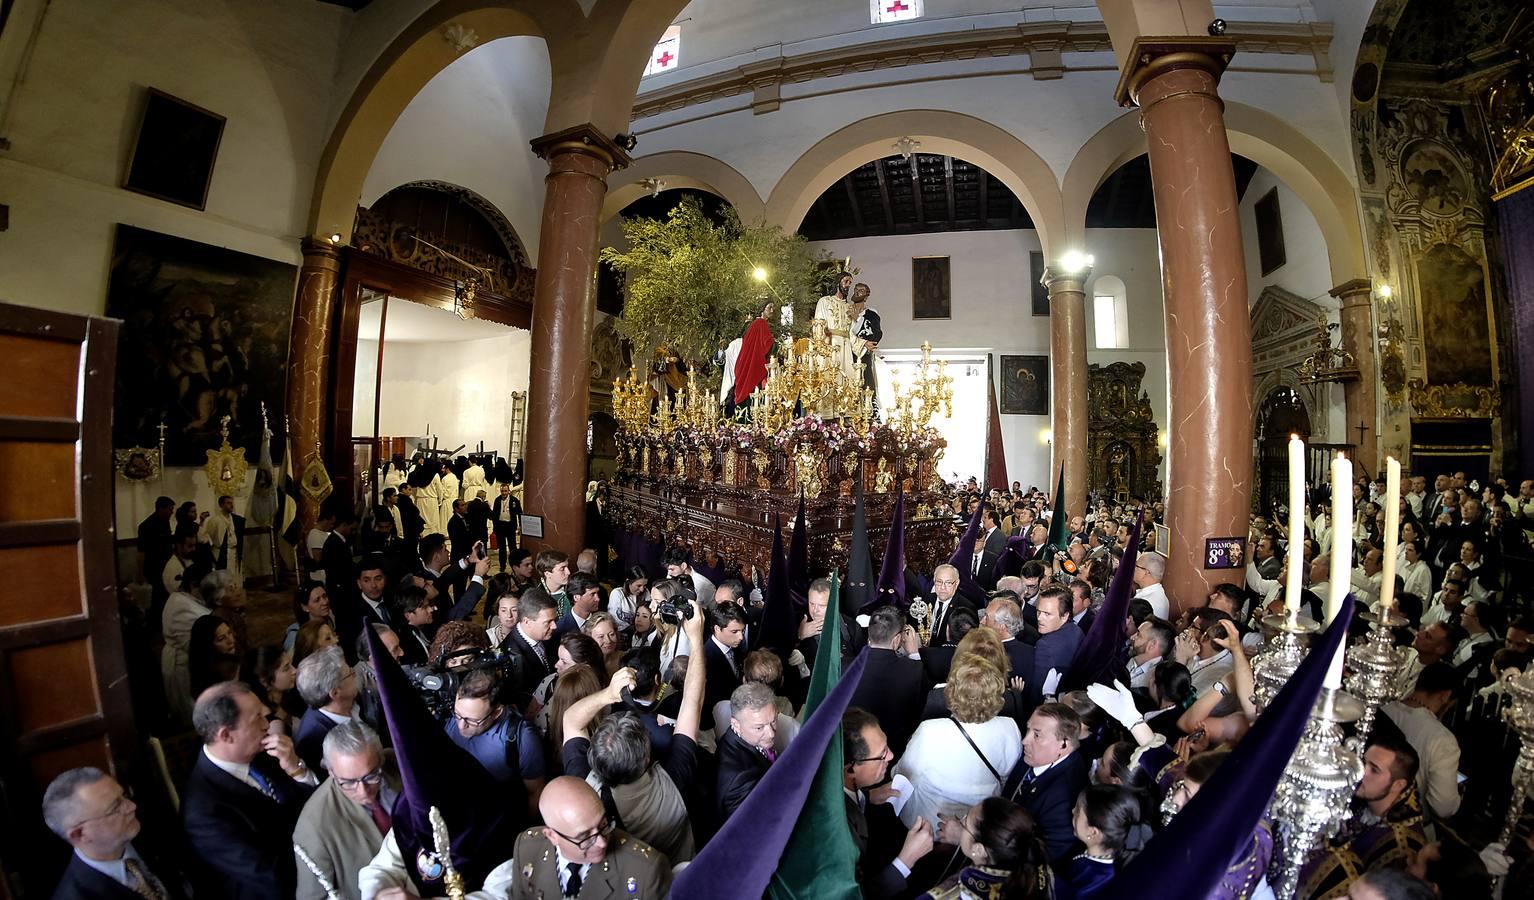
666,56
896,8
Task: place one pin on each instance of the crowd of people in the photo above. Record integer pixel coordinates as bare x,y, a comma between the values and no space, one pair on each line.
616,718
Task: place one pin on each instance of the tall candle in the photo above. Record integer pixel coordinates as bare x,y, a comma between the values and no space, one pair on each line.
1342,555
1392,532
1296,552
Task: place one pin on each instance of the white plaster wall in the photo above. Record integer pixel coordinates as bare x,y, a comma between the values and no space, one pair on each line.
1306,269
470,126
265,66
992,310
462,389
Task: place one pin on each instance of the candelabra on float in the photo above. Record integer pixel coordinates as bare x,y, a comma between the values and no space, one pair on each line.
1281,655
1312,798
1520,716
1375,663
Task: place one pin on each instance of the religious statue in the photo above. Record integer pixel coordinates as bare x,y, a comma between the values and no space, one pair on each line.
835,310
1118,471
884,477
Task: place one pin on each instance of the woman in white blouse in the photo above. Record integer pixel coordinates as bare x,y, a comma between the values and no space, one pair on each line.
1416,577
623,599
670,636
955,762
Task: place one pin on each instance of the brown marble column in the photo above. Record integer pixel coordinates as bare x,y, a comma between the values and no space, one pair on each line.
314,308
1360,397
1208,334
1068,383
563,307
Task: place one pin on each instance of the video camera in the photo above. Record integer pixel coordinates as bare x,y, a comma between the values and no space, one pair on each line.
437,682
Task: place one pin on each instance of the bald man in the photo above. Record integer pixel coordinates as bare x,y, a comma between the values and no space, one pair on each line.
578,853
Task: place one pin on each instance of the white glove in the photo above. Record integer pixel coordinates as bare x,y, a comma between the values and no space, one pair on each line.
796,659
1116,701
1051,681
1496,859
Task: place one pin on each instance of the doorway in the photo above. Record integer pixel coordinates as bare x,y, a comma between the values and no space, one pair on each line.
1281,414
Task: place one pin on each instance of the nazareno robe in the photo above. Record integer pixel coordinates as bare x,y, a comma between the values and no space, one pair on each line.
751,364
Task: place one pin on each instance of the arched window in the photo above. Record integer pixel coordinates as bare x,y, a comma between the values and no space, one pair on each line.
1110,313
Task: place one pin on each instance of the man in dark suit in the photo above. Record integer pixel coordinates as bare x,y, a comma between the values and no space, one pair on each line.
585,594
242,799
364,600
990,531
1058,640
411,520
866,754
945,584
87,808
329,686
982,565
1005,617
155,540
893,686
477,514
416,630
532,640
506,517
1050,775
458,534
745,751
1081,605
723,653
336,555
818,603
936,660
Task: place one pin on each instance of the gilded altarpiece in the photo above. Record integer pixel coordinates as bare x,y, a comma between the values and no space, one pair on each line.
1123,455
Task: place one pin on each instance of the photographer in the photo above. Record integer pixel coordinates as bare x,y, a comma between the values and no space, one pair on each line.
504,743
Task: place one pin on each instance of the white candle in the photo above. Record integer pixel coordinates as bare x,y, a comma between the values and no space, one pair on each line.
1392,532
1342,555
1296,552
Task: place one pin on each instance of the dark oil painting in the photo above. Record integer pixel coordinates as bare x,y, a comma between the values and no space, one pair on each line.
1025,385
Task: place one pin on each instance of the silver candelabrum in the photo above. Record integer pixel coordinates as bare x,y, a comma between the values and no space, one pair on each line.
1275,665
1375,664
1312,800
1520,716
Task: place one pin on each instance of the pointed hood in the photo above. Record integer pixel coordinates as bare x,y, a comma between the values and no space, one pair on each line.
799,559
1059,531
434,771
962,554
892,581
1101,651
860,588
1190,856
743,856
779,631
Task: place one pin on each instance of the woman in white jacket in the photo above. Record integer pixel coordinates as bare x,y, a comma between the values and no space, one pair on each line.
182,610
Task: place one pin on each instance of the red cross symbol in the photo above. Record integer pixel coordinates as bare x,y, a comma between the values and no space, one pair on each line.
896,8
665,57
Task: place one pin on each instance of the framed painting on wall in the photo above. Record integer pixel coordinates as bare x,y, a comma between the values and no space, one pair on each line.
174,151
1025,385
930,286
1270,233
1036,283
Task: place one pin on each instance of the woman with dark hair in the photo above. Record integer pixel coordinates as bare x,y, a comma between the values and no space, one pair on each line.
627,596
574,684
269,672
1171,689
1107,822
671,638
577,649
642,631
212,654
312,602
1006,855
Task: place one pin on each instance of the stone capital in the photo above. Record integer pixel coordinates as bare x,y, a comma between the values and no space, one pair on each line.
586,140
1354,293
319,251
1061,281
1153,56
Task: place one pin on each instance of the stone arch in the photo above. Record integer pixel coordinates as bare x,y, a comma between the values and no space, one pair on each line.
997,151
1259,136
684,169
492,213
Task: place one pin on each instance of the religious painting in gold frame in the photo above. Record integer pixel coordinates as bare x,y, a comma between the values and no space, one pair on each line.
931,295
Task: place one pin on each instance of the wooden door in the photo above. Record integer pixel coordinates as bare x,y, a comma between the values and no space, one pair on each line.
63,683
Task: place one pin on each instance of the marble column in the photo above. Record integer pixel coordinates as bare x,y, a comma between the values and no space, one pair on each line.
564,298
314,308
1068,383
1208,333
1360,397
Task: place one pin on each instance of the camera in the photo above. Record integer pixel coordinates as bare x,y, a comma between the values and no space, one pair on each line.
678,608
437,683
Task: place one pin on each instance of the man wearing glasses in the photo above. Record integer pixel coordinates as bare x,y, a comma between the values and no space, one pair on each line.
578,853
866,756
504,743
87,808
344,823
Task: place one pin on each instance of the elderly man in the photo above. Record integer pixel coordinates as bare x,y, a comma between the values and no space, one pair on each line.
1005,617
945,583
578,845
745,751
329,686
242,799
1050,774
87,808
1366,578
343,824
1150,568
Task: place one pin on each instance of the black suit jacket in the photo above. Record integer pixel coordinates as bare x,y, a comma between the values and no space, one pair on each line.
533,670
415,654
936,661
870,828
478,517
996,541
741,766
309,739
986,577
459,536
892,688
81,882
938,624
340,570
1053,651
410,518
1051,798
1022,657
565,625
354,614
242,840
506,529
722,678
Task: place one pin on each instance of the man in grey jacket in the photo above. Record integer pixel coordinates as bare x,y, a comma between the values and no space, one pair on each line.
343,824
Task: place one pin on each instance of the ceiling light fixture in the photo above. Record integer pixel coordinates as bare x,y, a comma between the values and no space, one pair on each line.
1076,261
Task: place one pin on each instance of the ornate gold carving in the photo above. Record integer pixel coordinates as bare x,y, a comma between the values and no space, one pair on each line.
763,468
706,461
376,236
226,469
807,471
1122,451
1454,401
729,466
644,461
884,477
137,463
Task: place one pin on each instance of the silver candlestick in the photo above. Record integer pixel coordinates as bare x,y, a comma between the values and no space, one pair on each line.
1285,650
1375,664
1312,798
1520,715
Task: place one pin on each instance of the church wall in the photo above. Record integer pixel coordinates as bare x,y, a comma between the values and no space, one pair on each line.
992,313
73,121
470,126
1305,270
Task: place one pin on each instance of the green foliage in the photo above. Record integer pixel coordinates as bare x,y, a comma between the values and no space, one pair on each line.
689,281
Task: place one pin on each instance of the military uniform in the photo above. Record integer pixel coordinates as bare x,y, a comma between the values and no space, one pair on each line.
631,869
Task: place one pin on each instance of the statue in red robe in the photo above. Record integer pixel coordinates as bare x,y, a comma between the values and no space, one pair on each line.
751,364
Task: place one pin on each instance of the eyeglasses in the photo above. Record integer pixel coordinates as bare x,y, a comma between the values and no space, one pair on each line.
887,754
603,829
120,806
949,583
370,779
475,723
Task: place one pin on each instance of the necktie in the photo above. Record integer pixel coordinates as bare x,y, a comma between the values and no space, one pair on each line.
262,784
573,882
542,657
976,573
730,655
1030,776
144,882
771,754
380,817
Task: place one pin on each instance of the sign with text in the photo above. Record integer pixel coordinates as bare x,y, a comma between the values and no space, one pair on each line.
532,526
1225,553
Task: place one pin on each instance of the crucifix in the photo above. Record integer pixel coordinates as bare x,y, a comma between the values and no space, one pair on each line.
1361,428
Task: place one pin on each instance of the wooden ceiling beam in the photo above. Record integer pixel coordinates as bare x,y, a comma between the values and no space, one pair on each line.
852,198
884,195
